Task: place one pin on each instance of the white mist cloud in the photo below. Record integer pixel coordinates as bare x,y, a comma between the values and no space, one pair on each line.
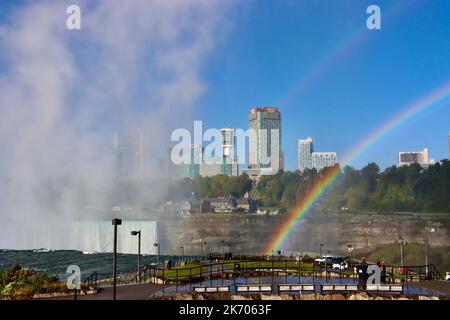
134,66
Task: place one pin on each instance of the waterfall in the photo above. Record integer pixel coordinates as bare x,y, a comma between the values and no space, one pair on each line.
89,236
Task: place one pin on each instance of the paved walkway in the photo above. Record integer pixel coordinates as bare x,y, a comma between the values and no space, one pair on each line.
437,285
124,292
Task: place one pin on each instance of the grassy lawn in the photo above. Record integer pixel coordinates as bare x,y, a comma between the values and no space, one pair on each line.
195,269
414,254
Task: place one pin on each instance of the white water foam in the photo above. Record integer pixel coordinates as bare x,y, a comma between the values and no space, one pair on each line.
92,236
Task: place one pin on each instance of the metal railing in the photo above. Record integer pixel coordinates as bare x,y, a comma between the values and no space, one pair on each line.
395,274
91,280
246,269
258,269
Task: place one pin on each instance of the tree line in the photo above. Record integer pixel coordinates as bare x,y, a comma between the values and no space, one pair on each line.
406,188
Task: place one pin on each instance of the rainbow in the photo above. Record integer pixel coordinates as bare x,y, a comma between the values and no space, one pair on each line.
305,203
342,49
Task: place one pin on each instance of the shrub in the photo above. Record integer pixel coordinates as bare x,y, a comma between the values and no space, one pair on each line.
18,282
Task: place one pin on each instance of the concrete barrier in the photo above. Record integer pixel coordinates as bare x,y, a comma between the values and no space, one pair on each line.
254,288
295,287
384,288
339,287
211,289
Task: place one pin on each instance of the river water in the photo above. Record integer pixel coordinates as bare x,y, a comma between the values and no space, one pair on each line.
57,261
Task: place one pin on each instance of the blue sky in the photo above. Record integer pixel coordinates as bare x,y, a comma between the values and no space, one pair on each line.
274,44
270,46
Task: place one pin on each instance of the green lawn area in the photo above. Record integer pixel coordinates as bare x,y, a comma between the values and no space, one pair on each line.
414,254
195,269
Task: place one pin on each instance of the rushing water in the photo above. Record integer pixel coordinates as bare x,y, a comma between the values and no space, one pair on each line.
56,262
93,236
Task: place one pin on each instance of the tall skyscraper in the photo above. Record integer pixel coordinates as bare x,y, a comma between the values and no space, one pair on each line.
449,145
305,149
410,157
228,142
265,147
192,169
307,158
207,165
129,153
229,165
196,160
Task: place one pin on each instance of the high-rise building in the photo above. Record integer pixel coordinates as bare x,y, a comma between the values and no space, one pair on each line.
196,160
410,157
204,165
167,169
211,168
129,156
228,142
192,169
229,164
305,149
265,146
307,158
320,160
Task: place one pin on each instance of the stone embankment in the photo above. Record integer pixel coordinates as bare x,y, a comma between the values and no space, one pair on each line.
310,296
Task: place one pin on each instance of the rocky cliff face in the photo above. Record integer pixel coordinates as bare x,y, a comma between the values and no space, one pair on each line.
250,233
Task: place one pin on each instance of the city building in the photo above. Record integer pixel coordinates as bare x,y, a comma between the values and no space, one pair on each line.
129,156
229,165
265,153
202,165
320,160
410,157
449,145
218,205
192,169
307,158
243,204
211,168
305,149
167,169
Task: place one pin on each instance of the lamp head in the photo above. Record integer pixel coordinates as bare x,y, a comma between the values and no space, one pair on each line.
116,222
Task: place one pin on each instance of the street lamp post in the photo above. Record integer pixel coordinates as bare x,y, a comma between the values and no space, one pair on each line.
203,243
158,245
138,233
239,246
115,222
350,249
431,230
223,248
402,242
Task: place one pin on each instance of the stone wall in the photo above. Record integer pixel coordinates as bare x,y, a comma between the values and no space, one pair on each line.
250,233
311,296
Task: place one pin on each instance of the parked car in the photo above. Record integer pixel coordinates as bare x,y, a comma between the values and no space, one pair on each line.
324,260
337,263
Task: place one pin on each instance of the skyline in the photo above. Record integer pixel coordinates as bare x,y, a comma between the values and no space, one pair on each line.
329,75
373,76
